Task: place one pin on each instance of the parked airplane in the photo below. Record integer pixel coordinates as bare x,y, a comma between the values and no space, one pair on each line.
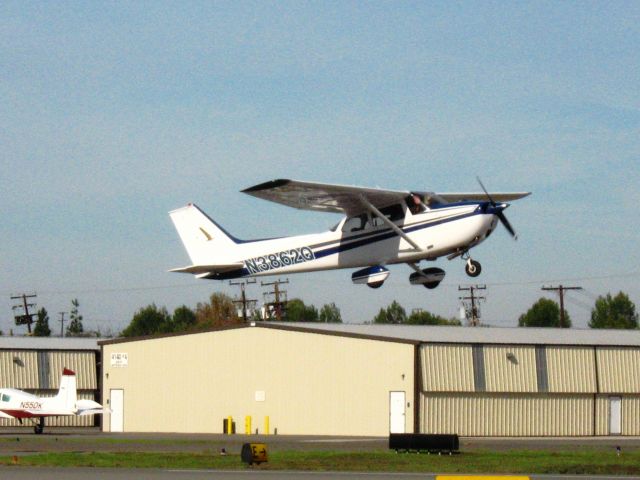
380,228
18,404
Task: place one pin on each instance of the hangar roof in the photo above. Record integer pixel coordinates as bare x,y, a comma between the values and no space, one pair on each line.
48,343
417,334
484,335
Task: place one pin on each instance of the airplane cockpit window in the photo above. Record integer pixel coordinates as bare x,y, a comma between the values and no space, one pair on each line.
357,223
415,203
5,397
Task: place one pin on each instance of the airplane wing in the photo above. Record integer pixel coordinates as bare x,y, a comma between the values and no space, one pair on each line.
325,197
473,196
354,200
200,269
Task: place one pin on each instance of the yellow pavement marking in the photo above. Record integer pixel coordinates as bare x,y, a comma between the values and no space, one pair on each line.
480,477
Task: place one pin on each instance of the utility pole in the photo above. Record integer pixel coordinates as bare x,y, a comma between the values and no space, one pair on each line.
473,315
243,297
26,317
278,305
561,289
61,323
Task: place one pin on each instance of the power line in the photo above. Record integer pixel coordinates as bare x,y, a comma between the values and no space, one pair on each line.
278,306
26,318
561,289
473,314
243,298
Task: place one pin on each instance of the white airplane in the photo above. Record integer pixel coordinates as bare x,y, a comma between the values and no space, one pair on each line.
380,228
22,405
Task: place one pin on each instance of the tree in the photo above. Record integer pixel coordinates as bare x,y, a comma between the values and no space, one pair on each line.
75,327
427,318
218,312
149,320
42,324
616,312
297,311
543,313
183,319
329,313
394,313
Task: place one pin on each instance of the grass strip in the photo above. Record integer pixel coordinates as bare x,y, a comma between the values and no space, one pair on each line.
511,462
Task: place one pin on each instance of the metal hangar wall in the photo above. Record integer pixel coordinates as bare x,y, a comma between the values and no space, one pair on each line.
35,364
342,379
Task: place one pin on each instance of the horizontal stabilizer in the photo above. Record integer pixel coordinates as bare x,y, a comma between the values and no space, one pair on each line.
200,269
89,407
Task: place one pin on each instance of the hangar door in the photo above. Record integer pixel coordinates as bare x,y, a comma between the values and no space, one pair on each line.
396,412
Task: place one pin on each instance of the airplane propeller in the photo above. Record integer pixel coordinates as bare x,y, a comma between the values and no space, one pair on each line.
497,210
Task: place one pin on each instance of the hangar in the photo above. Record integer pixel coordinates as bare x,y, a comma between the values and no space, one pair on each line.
345,379
35,364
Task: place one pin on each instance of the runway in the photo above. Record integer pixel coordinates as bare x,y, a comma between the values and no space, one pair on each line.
40,473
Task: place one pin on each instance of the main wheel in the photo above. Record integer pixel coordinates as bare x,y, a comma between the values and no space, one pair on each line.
473,268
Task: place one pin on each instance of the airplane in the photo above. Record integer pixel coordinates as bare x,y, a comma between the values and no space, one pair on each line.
23,405
380,228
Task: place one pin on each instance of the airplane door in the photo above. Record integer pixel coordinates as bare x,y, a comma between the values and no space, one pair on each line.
615,415
116,403
396,412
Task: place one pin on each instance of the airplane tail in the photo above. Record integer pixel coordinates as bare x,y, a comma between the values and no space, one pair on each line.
67,394
203,239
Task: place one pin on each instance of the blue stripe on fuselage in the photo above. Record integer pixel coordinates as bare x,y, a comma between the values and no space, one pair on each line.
379,236
360,240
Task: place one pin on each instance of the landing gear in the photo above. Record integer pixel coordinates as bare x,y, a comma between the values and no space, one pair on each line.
39,427
473,268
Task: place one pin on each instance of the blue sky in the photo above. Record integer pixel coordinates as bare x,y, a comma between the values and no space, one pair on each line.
114,113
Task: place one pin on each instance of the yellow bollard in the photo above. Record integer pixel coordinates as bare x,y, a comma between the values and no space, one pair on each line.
229,425
247,425
266,425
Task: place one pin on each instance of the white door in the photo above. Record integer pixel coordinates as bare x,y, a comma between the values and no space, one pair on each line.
396,412
615,415
116,403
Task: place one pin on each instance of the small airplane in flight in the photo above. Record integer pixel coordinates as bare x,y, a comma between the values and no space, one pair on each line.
22,405
380,228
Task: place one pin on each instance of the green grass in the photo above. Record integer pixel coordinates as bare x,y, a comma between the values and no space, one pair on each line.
592,461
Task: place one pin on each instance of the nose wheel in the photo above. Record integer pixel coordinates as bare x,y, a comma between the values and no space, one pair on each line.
473,268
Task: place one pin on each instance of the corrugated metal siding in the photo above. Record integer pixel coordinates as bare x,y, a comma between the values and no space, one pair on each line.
571,369
510,375
82,421
630,415
507,415
18,369
602,415
619,369
447,368
82,363
29,370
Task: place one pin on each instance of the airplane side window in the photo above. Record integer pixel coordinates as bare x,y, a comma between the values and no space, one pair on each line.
5,397
355,224
393,212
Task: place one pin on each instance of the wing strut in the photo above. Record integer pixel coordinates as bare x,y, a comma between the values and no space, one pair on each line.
390,224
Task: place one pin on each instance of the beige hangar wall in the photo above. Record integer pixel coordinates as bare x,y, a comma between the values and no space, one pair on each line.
305,383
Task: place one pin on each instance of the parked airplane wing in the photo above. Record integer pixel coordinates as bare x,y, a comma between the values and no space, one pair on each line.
325,197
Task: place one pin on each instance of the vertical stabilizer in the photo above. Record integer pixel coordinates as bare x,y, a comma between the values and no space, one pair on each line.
203,239
67,394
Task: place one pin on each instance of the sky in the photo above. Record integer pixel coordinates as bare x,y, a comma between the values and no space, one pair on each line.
114,113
